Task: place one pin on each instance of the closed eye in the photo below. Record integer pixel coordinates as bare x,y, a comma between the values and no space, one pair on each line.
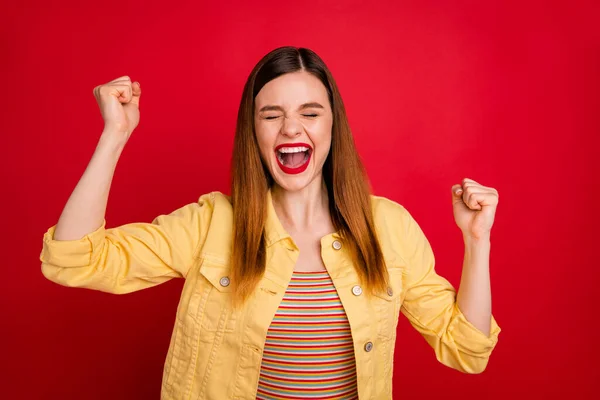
271,117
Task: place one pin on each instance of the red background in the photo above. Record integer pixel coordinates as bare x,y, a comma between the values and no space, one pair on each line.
505,93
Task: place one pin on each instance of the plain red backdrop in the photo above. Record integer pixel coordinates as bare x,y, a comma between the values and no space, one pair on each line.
505,93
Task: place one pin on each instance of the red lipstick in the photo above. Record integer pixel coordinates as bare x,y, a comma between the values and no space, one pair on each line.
294,170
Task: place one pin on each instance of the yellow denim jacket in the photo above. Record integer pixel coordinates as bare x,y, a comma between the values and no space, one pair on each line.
216,353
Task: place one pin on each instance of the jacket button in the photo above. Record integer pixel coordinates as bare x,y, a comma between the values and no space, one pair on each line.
390,292
368,346
357,290
337,244
224,281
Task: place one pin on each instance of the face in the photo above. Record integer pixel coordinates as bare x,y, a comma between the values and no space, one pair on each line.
293,121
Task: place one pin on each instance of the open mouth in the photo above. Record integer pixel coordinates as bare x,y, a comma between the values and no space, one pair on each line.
293,158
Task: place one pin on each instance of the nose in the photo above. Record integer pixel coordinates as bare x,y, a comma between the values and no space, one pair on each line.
291,127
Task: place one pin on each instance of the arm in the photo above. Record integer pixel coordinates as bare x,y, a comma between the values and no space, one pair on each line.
474,294
79,251
129,257
85,210
431,307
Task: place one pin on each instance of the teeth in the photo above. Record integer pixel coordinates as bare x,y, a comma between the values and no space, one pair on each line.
293,149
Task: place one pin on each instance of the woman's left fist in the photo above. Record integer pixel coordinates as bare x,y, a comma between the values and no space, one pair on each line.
474,208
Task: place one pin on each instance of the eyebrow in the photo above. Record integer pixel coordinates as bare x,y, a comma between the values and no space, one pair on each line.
302,107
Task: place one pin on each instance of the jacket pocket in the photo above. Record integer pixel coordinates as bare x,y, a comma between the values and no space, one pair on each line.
218,315
387,304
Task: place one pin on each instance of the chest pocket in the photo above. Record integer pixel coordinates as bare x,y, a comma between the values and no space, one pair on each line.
387,304
218,315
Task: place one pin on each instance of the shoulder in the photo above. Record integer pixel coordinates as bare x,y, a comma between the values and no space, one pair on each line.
215,200
397,231
390,220
215,215
207,208
387,211
395,216
213,206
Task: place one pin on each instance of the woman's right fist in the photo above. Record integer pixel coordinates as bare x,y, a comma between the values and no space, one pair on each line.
119,102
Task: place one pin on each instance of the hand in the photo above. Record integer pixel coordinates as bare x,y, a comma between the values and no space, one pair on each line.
119,102
474,208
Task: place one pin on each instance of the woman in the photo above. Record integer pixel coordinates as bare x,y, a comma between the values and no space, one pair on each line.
293,285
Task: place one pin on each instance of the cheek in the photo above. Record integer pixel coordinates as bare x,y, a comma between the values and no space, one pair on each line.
322,153
266,142
322,140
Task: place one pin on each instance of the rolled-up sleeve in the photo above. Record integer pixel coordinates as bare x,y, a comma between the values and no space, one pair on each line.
72,253
430,306
129,257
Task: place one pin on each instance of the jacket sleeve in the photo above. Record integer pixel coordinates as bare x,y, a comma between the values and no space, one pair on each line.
430,306
130,257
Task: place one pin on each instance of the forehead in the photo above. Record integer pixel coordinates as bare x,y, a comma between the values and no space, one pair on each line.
292,89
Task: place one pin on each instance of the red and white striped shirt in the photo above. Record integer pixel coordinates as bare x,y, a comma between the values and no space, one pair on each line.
309,352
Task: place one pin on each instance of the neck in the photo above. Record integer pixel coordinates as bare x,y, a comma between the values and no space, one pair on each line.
303,210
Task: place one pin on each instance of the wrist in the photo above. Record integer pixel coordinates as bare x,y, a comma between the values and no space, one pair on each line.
477,241
112,141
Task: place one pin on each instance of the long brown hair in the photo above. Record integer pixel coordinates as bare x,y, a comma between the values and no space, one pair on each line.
343,173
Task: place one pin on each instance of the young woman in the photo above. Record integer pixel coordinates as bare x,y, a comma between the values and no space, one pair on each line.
294,284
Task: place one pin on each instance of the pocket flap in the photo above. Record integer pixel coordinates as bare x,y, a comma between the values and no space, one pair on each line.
396,286
217,274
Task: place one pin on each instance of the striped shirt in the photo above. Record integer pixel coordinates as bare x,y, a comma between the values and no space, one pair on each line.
308,351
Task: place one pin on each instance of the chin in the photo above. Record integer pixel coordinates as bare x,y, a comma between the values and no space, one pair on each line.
293,183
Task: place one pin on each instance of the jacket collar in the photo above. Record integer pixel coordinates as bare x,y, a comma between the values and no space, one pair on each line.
274,231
